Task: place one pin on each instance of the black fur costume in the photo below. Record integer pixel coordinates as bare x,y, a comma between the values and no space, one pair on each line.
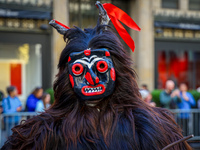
121,121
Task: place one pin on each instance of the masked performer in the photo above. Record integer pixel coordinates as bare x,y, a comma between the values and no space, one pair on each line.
97,101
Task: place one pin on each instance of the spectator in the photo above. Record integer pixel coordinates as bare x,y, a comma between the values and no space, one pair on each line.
44,103
11,104
187,100
33,98
144,87
146,96
1,99
169,96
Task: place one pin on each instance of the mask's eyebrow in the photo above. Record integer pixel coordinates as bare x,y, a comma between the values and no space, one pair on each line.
81,61
89,64
89,59
96,59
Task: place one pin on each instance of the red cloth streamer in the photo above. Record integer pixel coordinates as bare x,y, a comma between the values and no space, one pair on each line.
61,24
116,14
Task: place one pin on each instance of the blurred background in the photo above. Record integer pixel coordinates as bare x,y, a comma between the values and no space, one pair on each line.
167,47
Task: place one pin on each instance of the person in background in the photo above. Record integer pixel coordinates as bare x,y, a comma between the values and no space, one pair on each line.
147,97
169,96
11,104
187,100
33,98
1,99
144,87
44,103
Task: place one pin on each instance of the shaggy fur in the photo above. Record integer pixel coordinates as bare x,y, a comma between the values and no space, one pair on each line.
119,121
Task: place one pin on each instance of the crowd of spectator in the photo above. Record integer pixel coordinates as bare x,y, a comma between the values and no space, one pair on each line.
180,98
171,97
37,101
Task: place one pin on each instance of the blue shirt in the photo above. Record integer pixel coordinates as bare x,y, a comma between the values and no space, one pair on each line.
186,104
31,103
10,104
40,106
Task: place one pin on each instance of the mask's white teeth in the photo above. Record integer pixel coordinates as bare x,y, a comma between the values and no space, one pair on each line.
92,90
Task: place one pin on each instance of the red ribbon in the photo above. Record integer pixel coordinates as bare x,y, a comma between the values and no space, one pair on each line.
116,14
61,24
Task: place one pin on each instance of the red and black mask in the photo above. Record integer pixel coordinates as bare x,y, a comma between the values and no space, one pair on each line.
91,73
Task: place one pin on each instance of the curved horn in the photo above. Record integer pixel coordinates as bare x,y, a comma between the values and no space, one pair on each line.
61,28
103,17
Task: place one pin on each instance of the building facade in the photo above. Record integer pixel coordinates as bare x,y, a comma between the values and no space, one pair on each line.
167,47
177,42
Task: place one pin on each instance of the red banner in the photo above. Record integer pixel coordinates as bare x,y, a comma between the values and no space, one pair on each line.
16,76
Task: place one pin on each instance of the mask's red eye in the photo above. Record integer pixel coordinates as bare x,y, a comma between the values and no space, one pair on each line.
77,69
102,66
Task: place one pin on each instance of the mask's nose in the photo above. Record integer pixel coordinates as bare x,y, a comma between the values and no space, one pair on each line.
91,77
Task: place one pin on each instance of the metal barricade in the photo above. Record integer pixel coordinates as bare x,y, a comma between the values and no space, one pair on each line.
8,121
189,121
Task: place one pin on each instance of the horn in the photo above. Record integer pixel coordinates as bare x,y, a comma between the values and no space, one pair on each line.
103,17
61,28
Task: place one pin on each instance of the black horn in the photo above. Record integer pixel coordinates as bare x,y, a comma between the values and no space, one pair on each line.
103,17
61,28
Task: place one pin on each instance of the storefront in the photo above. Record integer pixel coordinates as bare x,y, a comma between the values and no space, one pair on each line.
25,47
25,61
177,53
179,61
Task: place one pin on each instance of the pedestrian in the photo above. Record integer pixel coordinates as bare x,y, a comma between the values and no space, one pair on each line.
147,97
33,98
187,101
144,87
11,104
169,96
44,103
1,99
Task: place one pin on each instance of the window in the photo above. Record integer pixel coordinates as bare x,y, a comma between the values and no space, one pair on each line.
179,62
170,4
194,4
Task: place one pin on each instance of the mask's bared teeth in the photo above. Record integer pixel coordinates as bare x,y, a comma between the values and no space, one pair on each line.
93,90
